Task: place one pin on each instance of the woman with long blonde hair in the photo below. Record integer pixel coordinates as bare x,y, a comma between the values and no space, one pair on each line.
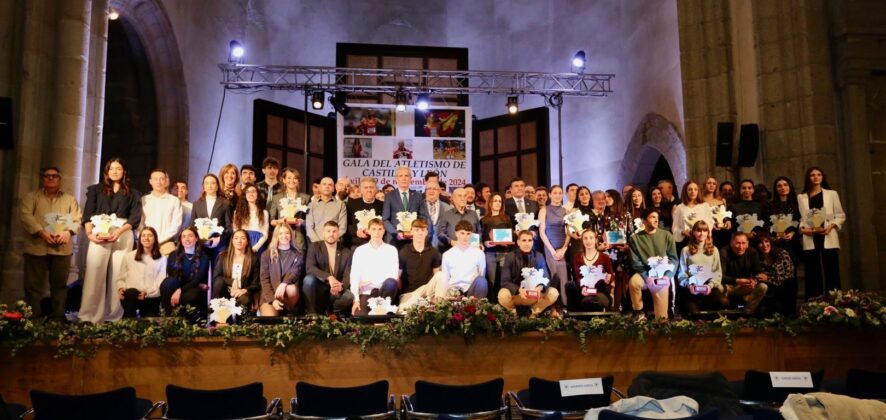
281,273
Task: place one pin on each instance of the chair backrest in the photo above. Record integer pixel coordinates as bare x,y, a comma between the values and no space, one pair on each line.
758,387
458,399
866,384
711,390
322,401
612,415
243,401
545,395
116,404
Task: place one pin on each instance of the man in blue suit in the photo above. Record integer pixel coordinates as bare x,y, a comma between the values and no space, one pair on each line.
401,199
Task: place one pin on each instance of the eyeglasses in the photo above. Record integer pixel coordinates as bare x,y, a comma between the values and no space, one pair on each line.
51,176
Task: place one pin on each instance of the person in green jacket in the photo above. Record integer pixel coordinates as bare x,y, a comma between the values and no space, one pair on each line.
651,242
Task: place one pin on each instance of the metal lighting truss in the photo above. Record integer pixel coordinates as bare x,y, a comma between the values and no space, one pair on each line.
252,78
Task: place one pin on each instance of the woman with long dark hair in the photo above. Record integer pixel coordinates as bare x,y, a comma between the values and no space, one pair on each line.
252,217
187,275
618,219
211,205
784,203
748,205
778,274
720,232
236,274
821,244
552,229
495,218
664,212
107,246
690,210
583,205
138,283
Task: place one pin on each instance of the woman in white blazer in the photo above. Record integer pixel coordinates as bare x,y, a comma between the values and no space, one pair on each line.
821,245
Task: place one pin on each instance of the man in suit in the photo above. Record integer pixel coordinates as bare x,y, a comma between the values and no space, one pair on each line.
519,202
401,199
328,270
445,229
435,208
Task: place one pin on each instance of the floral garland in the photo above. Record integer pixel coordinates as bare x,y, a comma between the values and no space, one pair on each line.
469,318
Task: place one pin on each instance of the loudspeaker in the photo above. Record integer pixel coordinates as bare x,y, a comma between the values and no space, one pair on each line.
725,135
748,144
6,123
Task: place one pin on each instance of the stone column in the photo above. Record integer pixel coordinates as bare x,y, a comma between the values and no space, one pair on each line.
857,200
68,116
95,111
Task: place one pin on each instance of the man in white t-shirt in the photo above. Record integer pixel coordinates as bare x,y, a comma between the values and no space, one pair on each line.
375,269
161,210
464,266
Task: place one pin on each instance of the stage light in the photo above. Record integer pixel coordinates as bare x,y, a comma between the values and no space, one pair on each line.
513,104
423,102
317,100
579,60
235,52
338,103
401,101
113,14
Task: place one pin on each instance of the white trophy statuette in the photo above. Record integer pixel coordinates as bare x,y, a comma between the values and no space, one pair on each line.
720,214
222,309
381,306
748,222
104,224
58,222
575,221
289,207
590,276
363,217
781,223
405,219
532,278
525,221
207,228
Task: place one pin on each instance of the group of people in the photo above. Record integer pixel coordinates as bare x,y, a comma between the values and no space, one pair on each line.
279,251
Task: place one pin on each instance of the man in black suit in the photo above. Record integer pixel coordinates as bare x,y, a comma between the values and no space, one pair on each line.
519,202
328,269
402,199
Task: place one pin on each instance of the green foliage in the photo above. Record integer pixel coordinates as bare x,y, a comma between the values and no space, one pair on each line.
467,318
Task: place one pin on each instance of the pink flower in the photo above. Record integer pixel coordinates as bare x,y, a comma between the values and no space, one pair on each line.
471,309
458,317
830,310
490,316
12,316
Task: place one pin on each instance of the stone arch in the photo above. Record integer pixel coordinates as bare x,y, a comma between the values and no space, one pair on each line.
149,21
654,137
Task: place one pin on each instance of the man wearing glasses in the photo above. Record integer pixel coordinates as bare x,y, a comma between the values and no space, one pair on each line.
50,218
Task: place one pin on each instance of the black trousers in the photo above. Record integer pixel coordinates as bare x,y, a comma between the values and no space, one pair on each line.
692,304
576,302
822,271
145,307
194,296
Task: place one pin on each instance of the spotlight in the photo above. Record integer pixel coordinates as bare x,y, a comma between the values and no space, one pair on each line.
235,52
579,60
317,100
402,100
513,104
113,14
338,103
423,102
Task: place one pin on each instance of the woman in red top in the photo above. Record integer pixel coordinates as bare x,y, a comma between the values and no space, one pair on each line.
581,298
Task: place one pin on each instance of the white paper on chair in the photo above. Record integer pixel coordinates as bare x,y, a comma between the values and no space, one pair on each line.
289,207
590,275
791,379
533,277
58,222
748,222
106,223
588,386
405,218
525,221
206,227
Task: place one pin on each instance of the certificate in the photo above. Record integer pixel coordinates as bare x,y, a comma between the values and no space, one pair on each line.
502,236
615,237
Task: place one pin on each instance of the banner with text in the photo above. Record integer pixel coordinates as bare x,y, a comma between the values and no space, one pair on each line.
373,140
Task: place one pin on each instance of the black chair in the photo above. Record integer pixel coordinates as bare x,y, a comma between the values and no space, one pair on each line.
117,404
757,388
370,401
543,398
10,411
476,401
711,390
859,383
612,415
244,402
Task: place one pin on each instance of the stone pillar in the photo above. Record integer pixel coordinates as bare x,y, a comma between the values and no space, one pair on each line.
68,117
95,95
857,200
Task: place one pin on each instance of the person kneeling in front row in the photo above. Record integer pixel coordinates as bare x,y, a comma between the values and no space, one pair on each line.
419,269
281,270
374,270
512,294
464,266
651,242
328,274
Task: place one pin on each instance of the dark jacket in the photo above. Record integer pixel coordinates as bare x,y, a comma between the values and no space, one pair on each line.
734,266
251,281
275,272
221,210
511,271
317,264
128,207
511,208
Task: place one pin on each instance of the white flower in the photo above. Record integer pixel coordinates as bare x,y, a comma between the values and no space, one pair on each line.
850,313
